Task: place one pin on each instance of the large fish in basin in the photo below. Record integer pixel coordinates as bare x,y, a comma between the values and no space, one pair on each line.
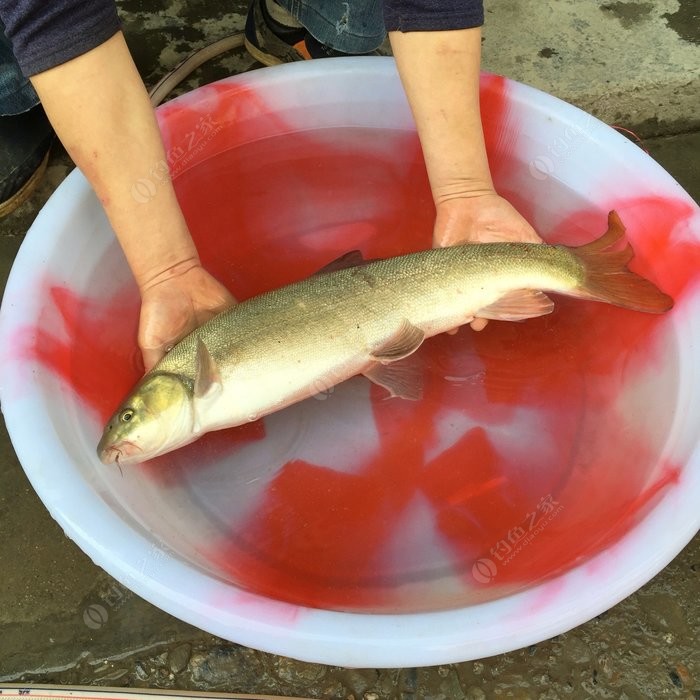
288,344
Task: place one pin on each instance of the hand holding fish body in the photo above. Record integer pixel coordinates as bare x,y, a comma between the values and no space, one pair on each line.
286,345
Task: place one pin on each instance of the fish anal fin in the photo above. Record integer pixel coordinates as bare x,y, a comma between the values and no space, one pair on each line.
207,382
518,305
402,379
405,341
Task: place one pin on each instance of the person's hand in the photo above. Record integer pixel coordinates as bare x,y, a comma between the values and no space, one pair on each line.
480,218
116,153
175,304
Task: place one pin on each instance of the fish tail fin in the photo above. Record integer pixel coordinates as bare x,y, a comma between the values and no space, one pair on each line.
608,279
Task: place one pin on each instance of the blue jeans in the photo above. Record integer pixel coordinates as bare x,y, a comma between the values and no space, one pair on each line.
353,26
16,93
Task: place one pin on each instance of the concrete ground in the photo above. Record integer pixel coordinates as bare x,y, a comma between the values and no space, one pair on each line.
633,64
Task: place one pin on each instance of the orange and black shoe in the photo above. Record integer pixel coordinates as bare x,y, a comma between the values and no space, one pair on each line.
25,143
272,42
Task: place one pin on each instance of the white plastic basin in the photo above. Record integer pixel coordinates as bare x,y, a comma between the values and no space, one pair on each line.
551,469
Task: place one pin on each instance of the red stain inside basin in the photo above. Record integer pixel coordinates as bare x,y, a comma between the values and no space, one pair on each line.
86,342
526,454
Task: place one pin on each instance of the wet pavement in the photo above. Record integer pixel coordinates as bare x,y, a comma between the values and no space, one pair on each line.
64,620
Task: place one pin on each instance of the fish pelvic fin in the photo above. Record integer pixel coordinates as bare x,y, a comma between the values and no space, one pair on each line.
402,379
607,277
518,305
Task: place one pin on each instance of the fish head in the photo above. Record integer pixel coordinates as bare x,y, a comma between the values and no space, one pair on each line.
158,416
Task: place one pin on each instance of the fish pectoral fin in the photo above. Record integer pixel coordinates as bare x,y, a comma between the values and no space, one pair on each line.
401,344
207,381
517,306
403,379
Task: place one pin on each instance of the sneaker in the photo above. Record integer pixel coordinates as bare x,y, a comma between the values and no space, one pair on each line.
25,143
270,42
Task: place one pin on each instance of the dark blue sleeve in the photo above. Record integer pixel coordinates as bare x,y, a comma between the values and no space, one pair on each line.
432,15
46,33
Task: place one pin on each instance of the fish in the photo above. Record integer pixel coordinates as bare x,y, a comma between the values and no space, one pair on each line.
288,344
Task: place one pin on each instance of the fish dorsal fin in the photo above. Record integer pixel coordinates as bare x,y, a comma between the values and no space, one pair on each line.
402,379
207,380
352,258
406,340
517,306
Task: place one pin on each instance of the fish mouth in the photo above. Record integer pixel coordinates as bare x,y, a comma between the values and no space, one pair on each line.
120,453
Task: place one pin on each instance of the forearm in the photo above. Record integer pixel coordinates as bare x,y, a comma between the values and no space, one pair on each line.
440,74
100,110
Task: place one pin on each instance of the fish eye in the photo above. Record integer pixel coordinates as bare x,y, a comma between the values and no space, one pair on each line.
126,415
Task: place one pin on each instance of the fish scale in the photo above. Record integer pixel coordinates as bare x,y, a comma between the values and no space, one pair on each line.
410,286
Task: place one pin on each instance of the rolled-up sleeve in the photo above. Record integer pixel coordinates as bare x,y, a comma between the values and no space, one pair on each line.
45,34
432,15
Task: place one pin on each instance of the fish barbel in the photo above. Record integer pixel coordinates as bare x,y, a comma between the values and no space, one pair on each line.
283,346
